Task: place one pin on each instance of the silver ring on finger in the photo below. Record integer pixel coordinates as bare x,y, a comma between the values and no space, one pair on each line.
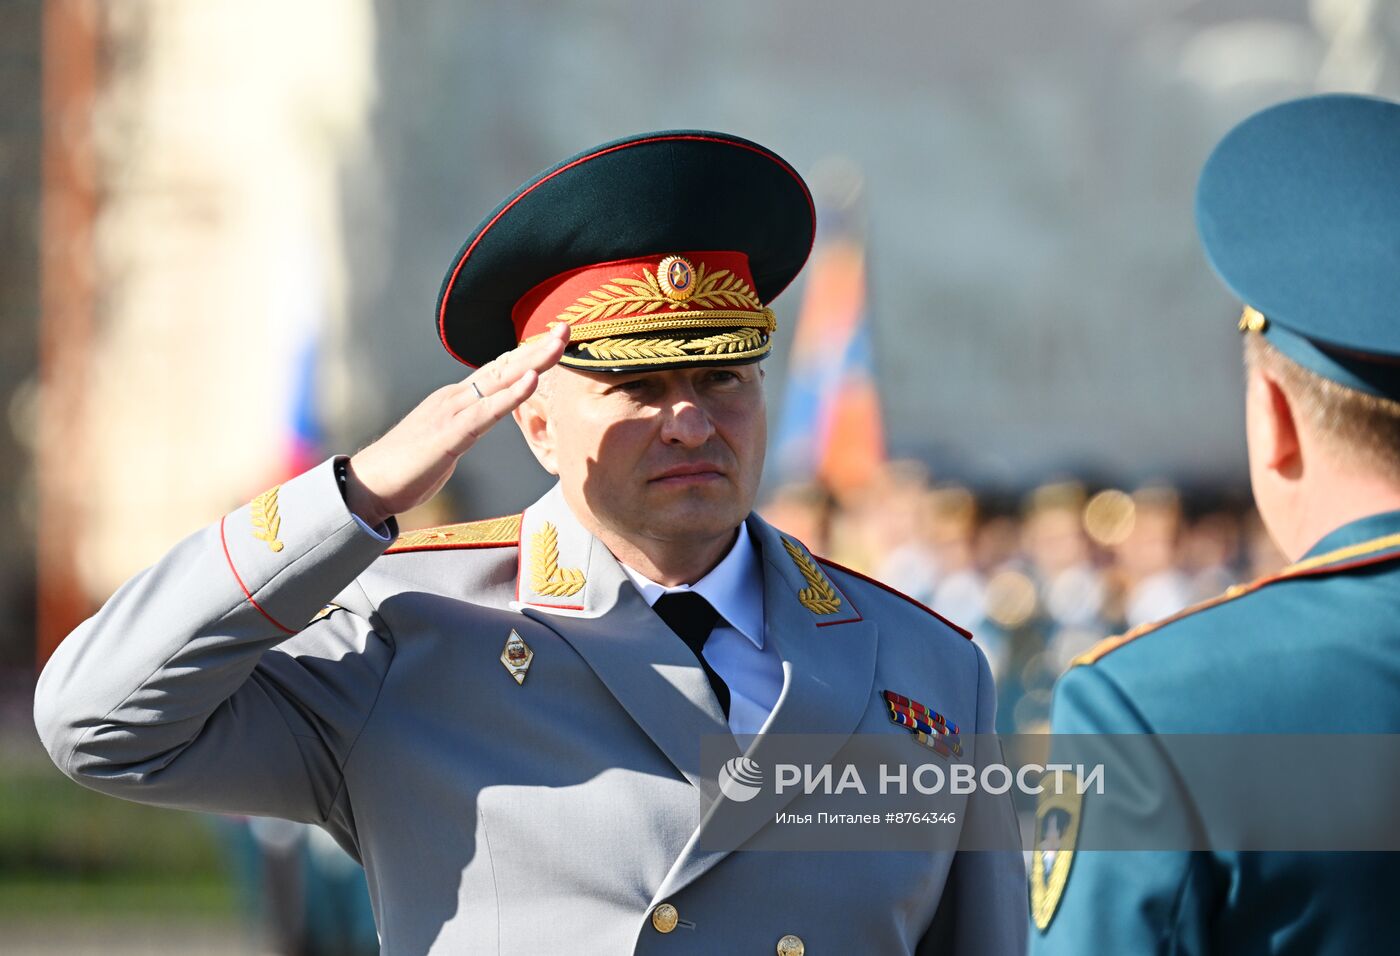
477,390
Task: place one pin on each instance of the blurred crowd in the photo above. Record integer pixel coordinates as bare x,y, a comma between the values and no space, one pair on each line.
1038,578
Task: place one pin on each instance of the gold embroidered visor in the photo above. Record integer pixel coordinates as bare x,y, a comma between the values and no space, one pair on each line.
668,310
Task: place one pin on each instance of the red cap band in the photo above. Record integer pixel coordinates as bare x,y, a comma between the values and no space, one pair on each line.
645,289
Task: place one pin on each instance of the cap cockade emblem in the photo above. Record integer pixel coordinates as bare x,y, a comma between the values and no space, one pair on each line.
677,278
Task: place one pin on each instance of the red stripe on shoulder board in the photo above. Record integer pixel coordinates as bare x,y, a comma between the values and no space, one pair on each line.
883,586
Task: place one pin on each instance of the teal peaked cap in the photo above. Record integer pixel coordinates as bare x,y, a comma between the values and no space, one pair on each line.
1298,209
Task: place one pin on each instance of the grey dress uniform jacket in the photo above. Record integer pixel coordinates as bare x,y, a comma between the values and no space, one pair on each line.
552,815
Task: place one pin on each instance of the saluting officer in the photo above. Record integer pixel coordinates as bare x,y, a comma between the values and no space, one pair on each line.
502,719
1299,211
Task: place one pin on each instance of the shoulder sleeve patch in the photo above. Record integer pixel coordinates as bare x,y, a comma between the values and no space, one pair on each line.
899,594
486,533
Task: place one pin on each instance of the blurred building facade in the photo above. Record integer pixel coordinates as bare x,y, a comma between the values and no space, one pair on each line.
214,259
220,249
278,182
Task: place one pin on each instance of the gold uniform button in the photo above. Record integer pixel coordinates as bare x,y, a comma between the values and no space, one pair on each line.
791,946
665,917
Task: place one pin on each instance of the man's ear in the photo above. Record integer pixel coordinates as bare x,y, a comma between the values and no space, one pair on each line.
1280,448
532,415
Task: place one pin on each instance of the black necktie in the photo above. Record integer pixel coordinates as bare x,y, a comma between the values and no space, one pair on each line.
692,618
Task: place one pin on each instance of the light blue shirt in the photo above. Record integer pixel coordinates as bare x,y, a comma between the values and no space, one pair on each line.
736,648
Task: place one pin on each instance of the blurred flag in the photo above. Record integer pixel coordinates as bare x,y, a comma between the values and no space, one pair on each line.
299,318
831,427
305,437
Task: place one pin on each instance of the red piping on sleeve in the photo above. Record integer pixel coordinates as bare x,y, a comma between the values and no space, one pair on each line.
246,593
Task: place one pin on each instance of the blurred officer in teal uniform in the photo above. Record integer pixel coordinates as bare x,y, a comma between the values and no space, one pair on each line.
1299,213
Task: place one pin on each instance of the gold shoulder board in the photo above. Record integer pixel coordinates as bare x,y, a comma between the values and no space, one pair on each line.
486,533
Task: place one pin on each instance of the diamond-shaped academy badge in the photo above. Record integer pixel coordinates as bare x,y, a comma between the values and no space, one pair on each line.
516,656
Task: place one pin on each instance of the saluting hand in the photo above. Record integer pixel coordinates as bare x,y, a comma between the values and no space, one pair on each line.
414,459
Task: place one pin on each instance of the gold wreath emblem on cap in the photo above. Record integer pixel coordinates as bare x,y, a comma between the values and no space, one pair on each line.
677,278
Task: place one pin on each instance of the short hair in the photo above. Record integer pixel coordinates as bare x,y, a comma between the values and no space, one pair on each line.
1364,428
